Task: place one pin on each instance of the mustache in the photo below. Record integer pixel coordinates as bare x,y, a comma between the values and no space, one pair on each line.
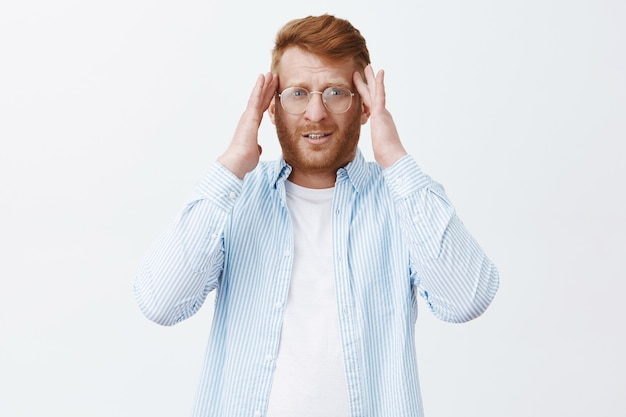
315,127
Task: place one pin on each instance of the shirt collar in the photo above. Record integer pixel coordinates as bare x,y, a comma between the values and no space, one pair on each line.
279,171
355,171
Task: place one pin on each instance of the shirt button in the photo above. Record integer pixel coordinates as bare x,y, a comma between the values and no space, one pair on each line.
287,252
232,195
213,235
257,414
400,181
278,304
416,219
269,358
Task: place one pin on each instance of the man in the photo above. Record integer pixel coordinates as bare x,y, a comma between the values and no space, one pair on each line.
317,258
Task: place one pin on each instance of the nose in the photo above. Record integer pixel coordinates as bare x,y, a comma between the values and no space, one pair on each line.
315,110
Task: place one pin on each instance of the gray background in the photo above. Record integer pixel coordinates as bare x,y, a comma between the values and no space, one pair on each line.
111,111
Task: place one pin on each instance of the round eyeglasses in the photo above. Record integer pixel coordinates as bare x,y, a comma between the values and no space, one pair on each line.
295,100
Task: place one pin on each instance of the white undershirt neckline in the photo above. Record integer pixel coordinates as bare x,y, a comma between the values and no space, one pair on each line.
309,379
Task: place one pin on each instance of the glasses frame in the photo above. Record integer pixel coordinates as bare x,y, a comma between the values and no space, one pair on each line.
309,93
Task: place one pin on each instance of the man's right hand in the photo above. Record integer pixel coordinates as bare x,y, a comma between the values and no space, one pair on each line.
242,155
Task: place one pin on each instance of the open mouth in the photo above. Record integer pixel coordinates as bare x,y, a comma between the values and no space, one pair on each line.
317,135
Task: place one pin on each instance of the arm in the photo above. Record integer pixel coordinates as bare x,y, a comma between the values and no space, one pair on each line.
448,267
186,263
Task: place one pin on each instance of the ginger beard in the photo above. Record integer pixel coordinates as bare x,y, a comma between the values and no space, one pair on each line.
318,158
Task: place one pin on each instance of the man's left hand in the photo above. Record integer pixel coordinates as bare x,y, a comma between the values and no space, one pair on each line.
385,139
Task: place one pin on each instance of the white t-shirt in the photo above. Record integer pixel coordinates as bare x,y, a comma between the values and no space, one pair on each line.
310,380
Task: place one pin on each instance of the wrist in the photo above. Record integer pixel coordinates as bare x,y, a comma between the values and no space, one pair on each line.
390,157
236,168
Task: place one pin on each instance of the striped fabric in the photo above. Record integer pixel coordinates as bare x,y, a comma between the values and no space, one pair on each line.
395,235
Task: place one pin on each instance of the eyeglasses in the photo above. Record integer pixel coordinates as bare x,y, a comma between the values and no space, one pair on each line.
295,100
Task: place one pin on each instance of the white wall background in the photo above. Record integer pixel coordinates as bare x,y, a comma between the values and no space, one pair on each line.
111,111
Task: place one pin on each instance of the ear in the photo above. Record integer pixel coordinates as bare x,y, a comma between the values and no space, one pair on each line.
271,110
365,112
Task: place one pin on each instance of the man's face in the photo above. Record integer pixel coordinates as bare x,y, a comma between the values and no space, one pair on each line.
316,142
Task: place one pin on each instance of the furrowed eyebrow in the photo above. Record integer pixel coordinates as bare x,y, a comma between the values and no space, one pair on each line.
330,84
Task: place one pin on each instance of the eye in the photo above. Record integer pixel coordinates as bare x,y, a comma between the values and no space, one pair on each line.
336,91
298,92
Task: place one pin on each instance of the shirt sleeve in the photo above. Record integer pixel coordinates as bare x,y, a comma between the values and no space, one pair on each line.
448,267
186,262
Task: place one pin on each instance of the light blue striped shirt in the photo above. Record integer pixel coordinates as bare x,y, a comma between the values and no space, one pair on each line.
395,235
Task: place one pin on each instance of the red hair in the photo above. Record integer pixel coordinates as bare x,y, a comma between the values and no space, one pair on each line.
330,38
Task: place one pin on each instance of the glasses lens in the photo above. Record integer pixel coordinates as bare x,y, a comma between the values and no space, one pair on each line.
294,100
337,99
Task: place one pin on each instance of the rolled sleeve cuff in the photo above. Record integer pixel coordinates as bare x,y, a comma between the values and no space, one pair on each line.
405,178
220,186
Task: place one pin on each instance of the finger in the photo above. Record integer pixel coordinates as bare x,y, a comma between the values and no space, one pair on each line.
361,88
380,88
261,95
269,89
257,90
371,79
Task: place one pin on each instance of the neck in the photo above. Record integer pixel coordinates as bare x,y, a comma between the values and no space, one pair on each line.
317,180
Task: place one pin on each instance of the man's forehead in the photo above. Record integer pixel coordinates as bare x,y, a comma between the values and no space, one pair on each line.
298,67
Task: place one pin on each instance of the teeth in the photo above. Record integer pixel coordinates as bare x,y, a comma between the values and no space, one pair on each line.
316,136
